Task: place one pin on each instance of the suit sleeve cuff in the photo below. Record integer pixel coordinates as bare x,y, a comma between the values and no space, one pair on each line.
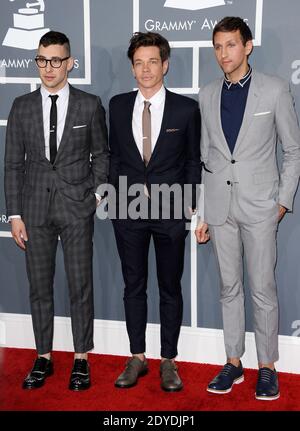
14,216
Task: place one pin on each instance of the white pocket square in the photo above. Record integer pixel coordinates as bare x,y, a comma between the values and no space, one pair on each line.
79,127
258,114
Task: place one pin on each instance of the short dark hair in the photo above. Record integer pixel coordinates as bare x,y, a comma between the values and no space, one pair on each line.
55,38
233,23
149,39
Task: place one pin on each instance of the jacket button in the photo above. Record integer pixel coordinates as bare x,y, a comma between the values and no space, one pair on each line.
232,161
228,182
54,168
48,190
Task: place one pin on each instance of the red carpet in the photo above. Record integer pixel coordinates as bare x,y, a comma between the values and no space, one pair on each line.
147,395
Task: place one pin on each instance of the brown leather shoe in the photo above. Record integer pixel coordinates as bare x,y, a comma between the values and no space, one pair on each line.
170,380
135,368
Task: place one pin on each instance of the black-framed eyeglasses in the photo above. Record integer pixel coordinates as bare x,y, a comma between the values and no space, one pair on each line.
55,62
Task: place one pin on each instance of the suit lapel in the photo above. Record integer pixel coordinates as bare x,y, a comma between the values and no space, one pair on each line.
216,113
251,104
38,121
71,116
128,135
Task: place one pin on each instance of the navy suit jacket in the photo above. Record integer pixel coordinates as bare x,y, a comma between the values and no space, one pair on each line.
176,156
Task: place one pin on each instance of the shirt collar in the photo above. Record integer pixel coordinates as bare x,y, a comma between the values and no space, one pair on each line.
62,93
241,82
155,100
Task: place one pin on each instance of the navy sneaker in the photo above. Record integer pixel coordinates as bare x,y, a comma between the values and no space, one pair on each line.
228,376
267,387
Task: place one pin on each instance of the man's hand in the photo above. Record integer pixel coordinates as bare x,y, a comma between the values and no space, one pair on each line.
18,231
202,233
282,211
98,199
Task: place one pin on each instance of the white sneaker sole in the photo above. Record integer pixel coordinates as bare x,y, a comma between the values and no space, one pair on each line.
275,397
226,391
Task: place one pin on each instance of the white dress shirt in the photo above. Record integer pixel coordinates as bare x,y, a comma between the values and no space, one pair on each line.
62,104
157,110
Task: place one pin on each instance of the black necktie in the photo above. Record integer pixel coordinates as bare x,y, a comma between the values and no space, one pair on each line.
53,127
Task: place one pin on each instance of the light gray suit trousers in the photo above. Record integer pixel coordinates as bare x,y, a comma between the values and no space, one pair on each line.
257,243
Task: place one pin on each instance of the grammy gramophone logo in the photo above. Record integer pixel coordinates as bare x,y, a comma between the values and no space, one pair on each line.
28,26
193,4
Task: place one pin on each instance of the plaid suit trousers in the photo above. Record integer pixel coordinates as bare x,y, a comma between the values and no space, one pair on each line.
77,243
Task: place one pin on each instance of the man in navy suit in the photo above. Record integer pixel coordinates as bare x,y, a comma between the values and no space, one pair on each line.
154,141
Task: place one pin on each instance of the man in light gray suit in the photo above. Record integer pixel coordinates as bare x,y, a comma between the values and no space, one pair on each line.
244,114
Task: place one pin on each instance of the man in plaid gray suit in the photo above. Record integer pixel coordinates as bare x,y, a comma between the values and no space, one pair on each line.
56,156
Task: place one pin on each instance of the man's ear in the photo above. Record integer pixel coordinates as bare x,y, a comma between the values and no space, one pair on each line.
249,47
165,66
70,64
132,70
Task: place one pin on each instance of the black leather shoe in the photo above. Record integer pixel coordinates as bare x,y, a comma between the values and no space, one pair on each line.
42,368
229,375
135,368
170,380
80,376
267,387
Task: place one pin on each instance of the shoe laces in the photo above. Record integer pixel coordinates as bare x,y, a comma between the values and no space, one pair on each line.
227,369
80,366
168,368
39,364
265,374
133,362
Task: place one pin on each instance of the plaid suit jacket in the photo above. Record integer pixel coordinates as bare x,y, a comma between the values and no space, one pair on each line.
81,164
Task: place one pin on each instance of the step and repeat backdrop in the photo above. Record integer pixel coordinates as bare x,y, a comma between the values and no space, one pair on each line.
99,31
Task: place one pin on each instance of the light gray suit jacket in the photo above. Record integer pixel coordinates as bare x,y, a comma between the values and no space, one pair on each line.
269,117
